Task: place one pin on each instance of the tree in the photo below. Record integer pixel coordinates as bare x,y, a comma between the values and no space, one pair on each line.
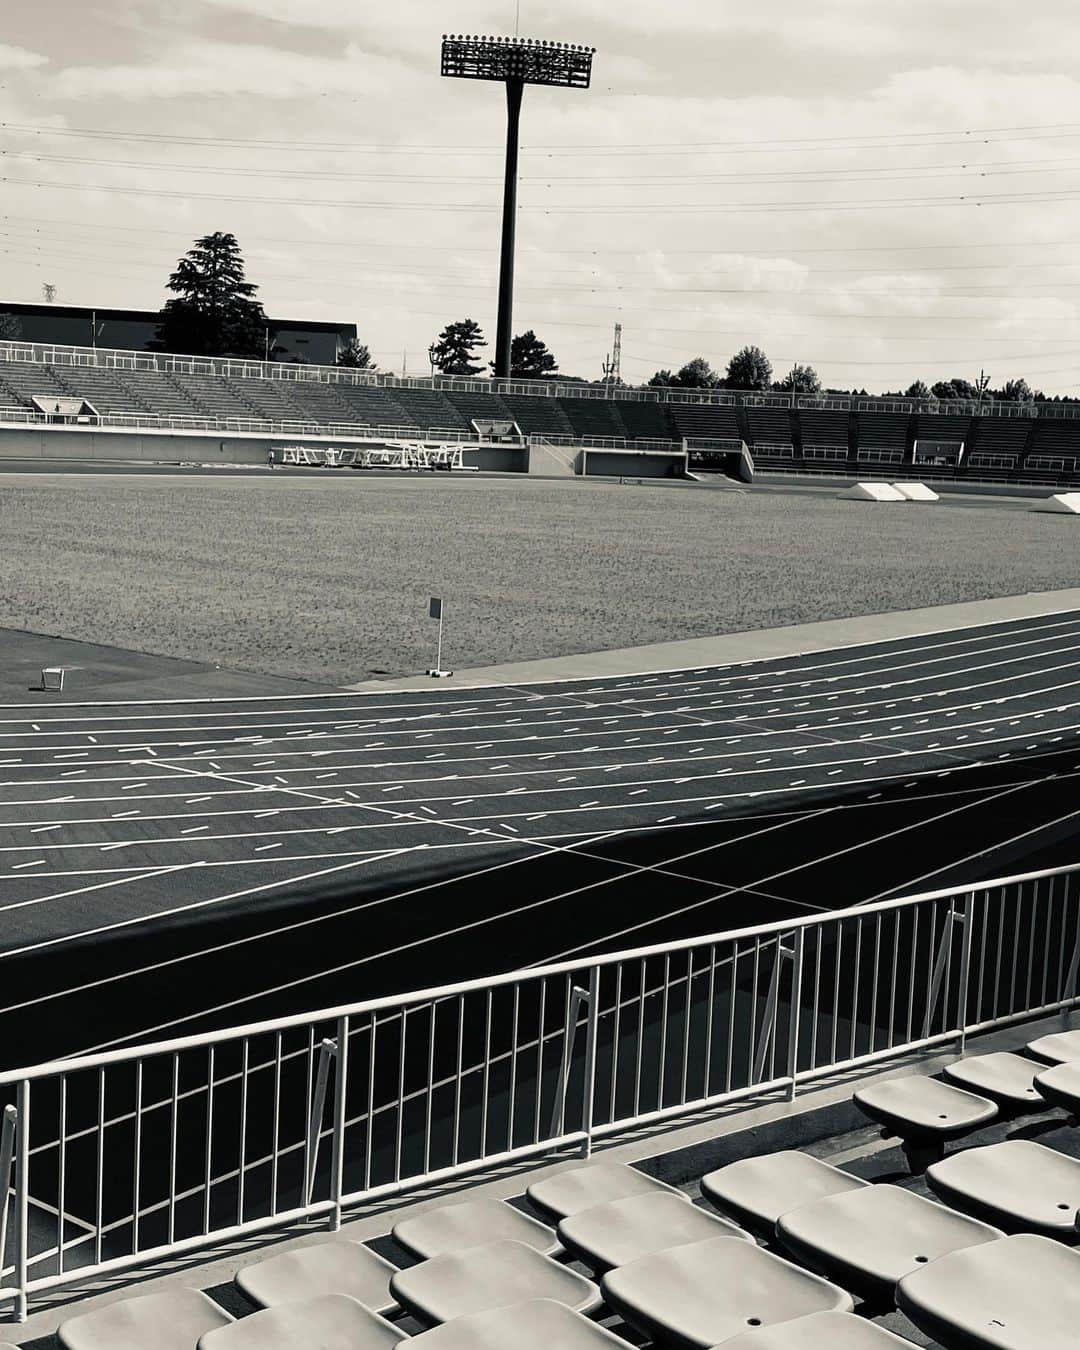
454,351
920,390
214,313
749,369
10,328
356,355
800,380
662,379
697,374
530,358
1016,391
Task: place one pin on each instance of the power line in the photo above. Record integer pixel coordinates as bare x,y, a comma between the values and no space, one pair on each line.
578,208
877,141
748,250
905,173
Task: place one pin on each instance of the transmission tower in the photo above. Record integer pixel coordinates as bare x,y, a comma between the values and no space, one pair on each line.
613,363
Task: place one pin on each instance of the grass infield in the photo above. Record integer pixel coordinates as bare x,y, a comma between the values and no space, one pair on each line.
329,579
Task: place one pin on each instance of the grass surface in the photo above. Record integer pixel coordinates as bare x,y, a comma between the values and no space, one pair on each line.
329,578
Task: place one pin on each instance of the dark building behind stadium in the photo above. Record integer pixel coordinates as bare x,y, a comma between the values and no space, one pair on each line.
134,329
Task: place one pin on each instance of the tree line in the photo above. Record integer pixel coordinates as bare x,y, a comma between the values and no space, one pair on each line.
213,312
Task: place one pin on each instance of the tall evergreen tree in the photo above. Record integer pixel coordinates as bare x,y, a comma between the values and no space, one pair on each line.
356,355
214,312
530,358
454,351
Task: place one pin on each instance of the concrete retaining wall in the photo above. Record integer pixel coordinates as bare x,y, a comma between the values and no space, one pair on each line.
634,463
170,447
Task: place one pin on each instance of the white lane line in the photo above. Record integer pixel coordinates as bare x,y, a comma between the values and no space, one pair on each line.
38,862
625,764
540,689
1021,696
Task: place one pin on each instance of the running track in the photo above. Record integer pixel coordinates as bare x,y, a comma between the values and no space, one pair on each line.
168,866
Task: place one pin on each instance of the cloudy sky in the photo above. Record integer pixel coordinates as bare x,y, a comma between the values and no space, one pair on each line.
886,191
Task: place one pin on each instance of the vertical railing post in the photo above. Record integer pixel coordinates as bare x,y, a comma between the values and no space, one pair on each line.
7,1158
22,1195
796,1008
941,960
589,1089
967,920
578,996
767,1034
318,1108
337,1165
1068,993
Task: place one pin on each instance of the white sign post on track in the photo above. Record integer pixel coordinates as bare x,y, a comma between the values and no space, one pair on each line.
435,611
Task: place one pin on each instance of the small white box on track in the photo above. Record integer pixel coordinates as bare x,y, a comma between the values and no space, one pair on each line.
1062,503
916,492
873,492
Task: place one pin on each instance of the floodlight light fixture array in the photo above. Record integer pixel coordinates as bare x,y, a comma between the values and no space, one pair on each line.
566,65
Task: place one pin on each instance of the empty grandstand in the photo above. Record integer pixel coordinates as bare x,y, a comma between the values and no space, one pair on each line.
249,399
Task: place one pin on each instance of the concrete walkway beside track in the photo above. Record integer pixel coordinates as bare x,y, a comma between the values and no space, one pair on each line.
756,645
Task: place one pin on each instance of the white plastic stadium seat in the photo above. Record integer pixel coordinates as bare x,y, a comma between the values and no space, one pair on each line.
323,1268
1022,1293
329,1322
868,1240
873,492
705,1293
820,1331
594,1184
624,1230
1058,1048
756,1191
1005,1078
924,1113
452,1228
1060,1085
916,492
537,1325
491,1276
172,1320
1019,1185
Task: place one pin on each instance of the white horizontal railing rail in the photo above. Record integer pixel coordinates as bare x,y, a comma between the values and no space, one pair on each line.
134,1154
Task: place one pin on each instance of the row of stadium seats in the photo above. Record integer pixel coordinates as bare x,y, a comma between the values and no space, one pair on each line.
996,446
788,1247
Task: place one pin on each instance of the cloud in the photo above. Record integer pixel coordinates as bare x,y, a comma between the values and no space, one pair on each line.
203,68
18,58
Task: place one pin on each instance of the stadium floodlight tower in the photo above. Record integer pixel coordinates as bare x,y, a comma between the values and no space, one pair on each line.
514,62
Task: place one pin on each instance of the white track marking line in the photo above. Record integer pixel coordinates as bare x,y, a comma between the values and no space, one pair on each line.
721,740
533,697
1060,618
722,733
813,862
477,820
184,909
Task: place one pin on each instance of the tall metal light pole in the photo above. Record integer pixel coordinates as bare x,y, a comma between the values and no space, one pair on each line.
514,62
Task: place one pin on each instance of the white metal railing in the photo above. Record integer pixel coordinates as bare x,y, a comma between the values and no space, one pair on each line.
135,1154
59,354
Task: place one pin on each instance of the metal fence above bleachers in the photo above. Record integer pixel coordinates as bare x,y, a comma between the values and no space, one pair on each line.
119,1158
55,354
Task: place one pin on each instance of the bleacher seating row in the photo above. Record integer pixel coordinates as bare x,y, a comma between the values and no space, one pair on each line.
793,1252
817,438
